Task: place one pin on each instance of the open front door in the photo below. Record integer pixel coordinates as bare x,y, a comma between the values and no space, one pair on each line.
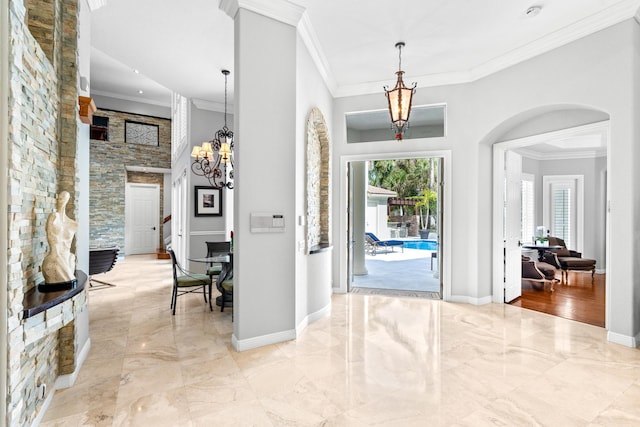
512,251
350,237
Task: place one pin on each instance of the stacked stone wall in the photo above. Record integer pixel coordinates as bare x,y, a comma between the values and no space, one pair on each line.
108,175
40,19
318,188
38,76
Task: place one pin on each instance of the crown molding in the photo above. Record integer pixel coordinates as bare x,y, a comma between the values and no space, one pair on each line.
280,10
212,105
625,9
137,99
430,80
615,14
561,155
310,39
96,4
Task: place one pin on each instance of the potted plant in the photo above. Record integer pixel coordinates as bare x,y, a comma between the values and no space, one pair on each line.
542,241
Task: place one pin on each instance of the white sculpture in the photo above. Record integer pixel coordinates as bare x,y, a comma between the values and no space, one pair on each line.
59,265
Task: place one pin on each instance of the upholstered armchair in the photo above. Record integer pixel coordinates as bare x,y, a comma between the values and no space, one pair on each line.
566,259
536,271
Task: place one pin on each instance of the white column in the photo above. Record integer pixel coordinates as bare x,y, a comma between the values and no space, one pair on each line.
359,205
265,145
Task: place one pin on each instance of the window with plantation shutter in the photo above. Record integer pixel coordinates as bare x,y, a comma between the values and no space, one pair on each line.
179,123
563,208
561,201
528,209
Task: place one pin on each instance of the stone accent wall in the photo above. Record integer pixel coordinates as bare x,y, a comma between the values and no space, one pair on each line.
318,196
67,71
109,160
40,20
42,102
151,178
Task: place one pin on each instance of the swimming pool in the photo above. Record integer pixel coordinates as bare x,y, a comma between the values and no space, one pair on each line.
427,245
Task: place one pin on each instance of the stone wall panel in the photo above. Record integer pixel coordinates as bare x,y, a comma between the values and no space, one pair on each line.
108,179
41,148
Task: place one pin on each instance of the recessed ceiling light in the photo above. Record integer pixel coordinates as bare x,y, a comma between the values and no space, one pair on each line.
140,92
533,11
136,71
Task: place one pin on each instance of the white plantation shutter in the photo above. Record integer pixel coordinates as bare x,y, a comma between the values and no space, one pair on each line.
179,122
527,212
561,202
563,208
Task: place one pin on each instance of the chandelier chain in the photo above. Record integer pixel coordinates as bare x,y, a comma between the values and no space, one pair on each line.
225,100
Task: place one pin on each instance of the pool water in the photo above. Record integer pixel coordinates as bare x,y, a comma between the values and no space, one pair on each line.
426,245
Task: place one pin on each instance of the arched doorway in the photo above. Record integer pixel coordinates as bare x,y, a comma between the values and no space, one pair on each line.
568,134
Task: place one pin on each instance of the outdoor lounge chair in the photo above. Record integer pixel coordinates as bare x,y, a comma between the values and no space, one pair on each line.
373,243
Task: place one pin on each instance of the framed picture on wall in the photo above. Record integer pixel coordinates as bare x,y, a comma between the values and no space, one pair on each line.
208,201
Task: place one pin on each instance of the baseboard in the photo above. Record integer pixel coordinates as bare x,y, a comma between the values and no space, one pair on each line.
310,318
63,381
601,270
262,340
43,409
623,339
66,381
471,300
338,291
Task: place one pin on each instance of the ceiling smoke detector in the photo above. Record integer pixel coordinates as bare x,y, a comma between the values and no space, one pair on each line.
533,11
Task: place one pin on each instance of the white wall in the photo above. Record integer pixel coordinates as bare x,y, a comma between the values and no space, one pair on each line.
553,121
586,73
313,290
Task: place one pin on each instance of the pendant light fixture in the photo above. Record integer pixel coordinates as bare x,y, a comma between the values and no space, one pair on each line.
400,99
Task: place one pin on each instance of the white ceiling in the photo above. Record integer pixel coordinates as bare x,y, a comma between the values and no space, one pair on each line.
182,45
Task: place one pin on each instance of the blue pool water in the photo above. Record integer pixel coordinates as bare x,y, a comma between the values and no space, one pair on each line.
427,245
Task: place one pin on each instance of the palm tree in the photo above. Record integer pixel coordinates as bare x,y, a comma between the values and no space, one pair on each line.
427,201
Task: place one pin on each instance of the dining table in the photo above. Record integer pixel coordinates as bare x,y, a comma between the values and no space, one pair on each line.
225,259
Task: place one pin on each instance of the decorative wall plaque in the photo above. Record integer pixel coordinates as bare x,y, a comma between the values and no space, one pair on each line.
141,133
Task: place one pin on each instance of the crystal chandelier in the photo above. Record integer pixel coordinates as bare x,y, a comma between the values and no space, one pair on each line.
214,159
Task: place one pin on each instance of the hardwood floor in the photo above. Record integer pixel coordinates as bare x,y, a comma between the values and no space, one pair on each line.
579,299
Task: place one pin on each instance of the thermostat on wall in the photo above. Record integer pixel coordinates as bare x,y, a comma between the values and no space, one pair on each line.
265,222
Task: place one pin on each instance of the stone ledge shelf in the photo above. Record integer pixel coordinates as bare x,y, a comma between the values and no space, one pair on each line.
322,247
36,302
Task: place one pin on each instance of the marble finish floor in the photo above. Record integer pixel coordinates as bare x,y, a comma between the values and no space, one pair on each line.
377,360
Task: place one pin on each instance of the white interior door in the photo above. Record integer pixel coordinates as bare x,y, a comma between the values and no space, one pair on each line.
142,218
513,202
